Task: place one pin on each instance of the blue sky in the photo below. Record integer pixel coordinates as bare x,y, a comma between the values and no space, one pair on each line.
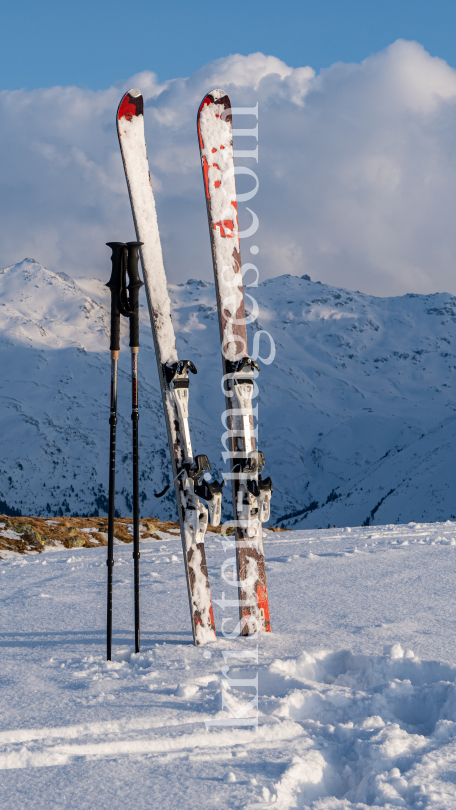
357,168
94,44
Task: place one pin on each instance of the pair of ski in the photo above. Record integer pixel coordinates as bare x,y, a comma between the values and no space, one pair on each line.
251,495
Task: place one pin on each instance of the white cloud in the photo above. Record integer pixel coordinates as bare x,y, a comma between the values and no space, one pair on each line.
356,167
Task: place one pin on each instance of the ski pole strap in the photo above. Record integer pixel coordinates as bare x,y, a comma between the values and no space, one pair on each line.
134,287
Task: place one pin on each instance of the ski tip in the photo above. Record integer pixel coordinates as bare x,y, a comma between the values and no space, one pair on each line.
216,97
132,104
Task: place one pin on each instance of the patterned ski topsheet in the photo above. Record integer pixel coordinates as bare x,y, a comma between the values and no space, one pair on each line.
216,146
130,128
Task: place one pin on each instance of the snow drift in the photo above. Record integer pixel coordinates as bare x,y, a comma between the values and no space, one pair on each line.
356,685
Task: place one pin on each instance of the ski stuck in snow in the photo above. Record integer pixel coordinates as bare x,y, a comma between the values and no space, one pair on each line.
251,494
187,471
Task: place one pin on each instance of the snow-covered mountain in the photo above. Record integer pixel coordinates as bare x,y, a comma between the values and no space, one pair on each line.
356,413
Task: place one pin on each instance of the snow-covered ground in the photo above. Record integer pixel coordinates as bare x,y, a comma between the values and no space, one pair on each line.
356,413
356,685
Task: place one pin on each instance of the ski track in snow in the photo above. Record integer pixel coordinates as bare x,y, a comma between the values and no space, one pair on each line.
356,684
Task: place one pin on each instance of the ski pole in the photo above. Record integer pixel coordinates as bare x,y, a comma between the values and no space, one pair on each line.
134,287
115,285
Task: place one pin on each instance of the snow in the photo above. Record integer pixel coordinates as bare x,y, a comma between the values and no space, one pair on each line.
350,703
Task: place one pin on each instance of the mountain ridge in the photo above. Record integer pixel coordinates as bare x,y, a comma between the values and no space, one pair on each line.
358,401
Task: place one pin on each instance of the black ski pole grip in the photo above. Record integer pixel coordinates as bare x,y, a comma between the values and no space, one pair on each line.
115,284
134,287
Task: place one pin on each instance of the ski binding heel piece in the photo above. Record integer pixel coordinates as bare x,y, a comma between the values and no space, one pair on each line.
259,491
210,492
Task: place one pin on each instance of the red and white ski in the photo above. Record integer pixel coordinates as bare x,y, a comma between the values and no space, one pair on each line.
251,494
173,373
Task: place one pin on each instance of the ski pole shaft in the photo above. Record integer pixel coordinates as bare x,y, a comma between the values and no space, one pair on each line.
114,284
134,286
135,419
112,477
